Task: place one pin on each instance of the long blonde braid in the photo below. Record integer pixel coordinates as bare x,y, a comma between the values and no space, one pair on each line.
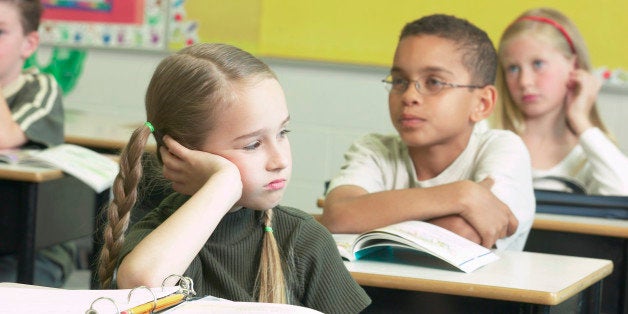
119,210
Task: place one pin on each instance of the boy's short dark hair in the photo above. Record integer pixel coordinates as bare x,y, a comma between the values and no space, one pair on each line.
30,13
479,55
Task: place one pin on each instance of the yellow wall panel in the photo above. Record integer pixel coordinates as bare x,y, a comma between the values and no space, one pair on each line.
236,22
365,31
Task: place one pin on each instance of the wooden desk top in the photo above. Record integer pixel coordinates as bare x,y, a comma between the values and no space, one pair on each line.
583,225
518,276
28,174
106,131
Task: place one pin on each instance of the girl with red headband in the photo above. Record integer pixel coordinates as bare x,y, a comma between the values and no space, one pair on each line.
548,96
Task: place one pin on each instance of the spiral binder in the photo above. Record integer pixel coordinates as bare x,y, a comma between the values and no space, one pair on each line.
181,298
184,293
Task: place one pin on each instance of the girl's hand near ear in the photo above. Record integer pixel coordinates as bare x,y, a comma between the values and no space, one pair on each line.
189,170
582,91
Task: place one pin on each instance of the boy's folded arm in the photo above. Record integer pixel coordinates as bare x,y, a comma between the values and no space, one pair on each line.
459,226
351,209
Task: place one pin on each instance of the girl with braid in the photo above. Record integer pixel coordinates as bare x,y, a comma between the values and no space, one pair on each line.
220,120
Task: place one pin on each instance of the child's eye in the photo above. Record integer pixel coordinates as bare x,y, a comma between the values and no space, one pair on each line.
253,145
513,69
398,83
284,133
432,84
537,64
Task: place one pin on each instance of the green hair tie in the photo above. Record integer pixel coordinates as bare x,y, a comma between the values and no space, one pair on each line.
150,126
268,229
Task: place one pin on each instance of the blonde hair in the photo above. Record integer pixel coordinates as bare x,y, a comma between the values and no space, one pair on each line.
507,115
186,93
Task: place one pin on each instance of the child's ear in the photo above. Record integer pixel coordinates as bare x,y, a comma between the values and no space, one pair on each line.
574,62
485,103
30,44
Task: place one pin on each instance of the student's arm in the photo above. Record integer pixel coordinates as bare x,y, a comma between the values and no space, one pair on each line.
607,173
457,224
169,249
504,157
351,209
582,90
609,166
11,135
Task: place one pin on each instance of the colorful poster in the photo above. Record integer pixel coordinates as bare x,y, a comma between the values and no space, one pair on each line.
95,11
132,24
87,5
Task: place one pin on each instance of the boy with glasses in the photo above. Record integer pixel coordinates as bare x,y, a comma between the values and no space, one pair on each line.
440,167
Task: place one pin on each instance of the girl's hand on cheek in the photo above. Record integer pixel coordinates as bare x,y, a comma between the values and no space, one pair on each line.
582,91
189,170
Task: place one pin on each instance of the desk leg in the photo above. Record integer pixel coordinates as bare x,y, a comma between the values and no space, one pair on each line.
536,309
592,297
587,301
26,254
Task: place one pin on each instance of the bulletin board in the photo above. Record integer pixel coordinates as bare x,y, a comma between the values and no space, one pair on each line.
366,31
130,24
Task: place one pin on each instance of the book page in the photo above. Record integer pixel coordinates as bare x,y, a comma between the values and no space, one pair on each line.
212,305
14,156
452,248
94,169
36,299
344,242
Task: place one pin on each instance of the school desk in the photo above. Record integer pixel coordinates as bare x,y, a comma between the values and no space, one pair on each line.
522,282
587,237
40,207
105,133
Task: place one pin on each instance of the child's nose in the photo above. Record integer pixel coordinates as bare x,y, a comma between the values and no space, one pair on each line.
411,96
279,157
526,78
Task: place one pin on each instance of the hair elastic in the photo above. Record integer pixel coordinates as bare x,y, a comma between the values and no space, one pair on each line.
150,126
559,27
268,229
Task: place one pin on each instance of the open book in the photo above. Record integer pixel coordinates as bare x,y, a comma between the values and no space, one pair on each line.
420,236
19,298
94,169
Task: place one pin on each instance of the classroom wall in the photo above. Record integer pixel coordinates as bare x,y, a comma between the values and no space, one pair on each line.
365,31
330,105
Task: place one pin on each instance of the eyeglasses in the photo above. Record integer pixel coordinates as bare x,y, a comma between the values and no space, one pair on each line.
427,87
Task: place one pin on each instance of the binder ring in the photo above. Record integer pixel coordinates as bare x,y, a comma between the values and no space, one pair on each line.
186,284
151,292
91,309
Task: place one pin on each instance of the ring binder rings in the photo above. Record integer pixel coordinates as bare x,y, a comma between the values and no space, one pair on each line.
154,303
91,309
21,298
184,292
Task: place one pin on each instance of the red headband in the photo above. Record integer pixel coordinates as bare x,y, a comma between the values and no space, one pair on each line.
559,27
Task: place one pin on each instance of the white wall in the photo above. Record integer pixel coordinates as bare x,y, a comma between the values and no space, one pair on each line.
330,106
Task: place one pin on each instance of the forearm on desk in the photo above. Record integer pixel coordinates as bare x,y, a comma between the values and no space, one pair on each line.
352,213
11,135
